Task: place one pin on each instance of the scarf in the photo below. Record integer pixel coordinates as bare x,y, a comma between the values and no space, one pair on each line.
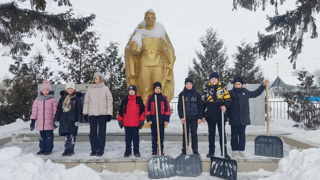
46,97
66,106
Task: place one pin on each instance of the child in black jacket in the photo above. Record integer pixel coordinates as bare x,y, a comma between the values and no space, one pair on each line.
239,114
194,113
216,98
164,113
69,116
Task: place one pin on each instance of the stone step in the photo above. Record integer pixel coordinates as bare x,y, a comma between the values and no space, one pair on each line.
243,165
117,136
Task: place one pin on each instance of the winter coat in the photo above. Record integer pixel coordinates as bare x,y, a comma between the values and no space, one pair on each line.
164,111
193,104
67,119
43,111
214,96
239,111
131,111
98,101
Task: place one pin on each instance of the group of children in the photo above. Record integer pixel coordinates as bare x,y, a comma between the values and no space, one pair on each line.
48,114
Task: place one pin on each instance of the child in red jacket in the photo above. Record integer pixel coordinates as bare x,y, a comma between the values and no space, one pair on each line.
131,117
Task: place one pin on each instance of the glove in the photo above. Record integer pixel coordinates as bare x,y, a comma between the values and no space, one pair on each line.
109,118
120,124
86,117
56,124
77,123
141,123
33,121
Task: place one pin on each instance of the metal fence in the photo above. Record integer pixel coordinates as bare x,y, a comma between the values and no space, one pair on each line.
174,108
279,109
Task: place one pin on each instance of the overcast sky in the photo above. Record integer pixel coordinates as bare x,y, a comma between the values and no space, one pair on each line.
186,21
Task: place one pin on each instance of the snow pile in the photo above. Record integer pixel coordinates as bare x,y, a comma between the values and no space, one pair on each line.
8,129
16,165
298,165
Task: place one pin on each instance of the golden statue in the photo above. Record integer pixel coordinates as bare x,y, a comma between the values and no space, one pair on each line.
149,57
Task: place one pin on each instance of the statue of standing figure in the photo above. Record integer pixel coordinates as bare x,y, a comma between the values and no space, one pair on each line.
149,57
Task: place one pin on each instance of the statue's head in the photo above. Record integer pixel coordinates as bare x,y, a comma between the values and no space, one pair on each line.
150,17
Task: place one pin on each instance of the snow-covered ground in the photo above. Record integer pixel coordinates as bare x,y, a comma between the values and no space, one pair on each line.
18,159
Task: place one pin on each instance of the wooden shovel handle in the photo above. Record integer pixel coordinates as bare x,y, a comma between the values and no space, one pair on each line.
185,124
157,117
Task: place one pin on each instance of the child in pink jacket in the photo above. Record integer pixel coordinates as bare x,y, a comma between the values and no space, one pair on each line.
43,111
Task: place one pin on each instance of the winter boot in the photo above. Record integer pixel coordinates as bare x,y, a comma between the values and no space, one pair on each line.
100,153
242,154
41,152
127,153
209,155
47,153
154,153
93,153
65,152
195,152
183,152
136,152
71,145
235,154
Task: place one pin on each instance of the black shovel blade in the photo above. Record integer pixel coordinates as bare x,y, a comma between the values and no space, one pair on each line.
223,168
188,165
271,146
161,167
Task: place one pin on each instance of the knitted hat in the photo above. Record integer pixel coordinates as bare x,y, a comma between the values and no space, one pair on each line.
46,85
71,85
190,80
238,79
98,74
214,75
156,84
133,87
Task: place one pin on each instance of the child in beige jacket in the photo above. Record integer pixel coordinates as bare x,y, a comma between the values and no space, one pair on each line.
98,109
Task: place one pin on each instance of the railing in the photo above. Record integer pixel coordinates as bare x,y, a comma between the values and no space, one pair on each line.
279,109
174,108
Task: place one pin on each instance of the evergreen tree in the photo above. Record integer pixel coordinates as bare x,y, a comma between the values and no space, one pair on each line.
18,24
80,58
302,109
20,92
286,30
214,59
244,65
316,74
112,66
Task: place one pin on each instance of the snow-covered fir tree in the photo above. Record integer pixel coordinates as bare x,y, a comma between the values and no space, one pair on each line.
213,59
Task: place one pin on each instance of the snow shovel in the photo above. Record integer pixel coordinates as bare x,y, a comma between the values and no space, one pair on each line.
222,167
271,146
160,166
187,165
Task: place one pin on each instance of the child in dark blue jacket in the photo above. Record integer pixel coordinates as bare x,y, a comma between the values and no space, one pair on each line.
194,113
163,115
239,114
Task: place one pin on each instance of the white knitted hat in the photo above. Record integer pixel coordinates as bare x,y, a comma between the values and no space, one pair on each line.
71,85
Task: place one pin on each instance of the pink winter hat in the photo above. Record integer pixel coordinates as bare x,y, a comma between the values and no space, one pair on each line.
46,85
